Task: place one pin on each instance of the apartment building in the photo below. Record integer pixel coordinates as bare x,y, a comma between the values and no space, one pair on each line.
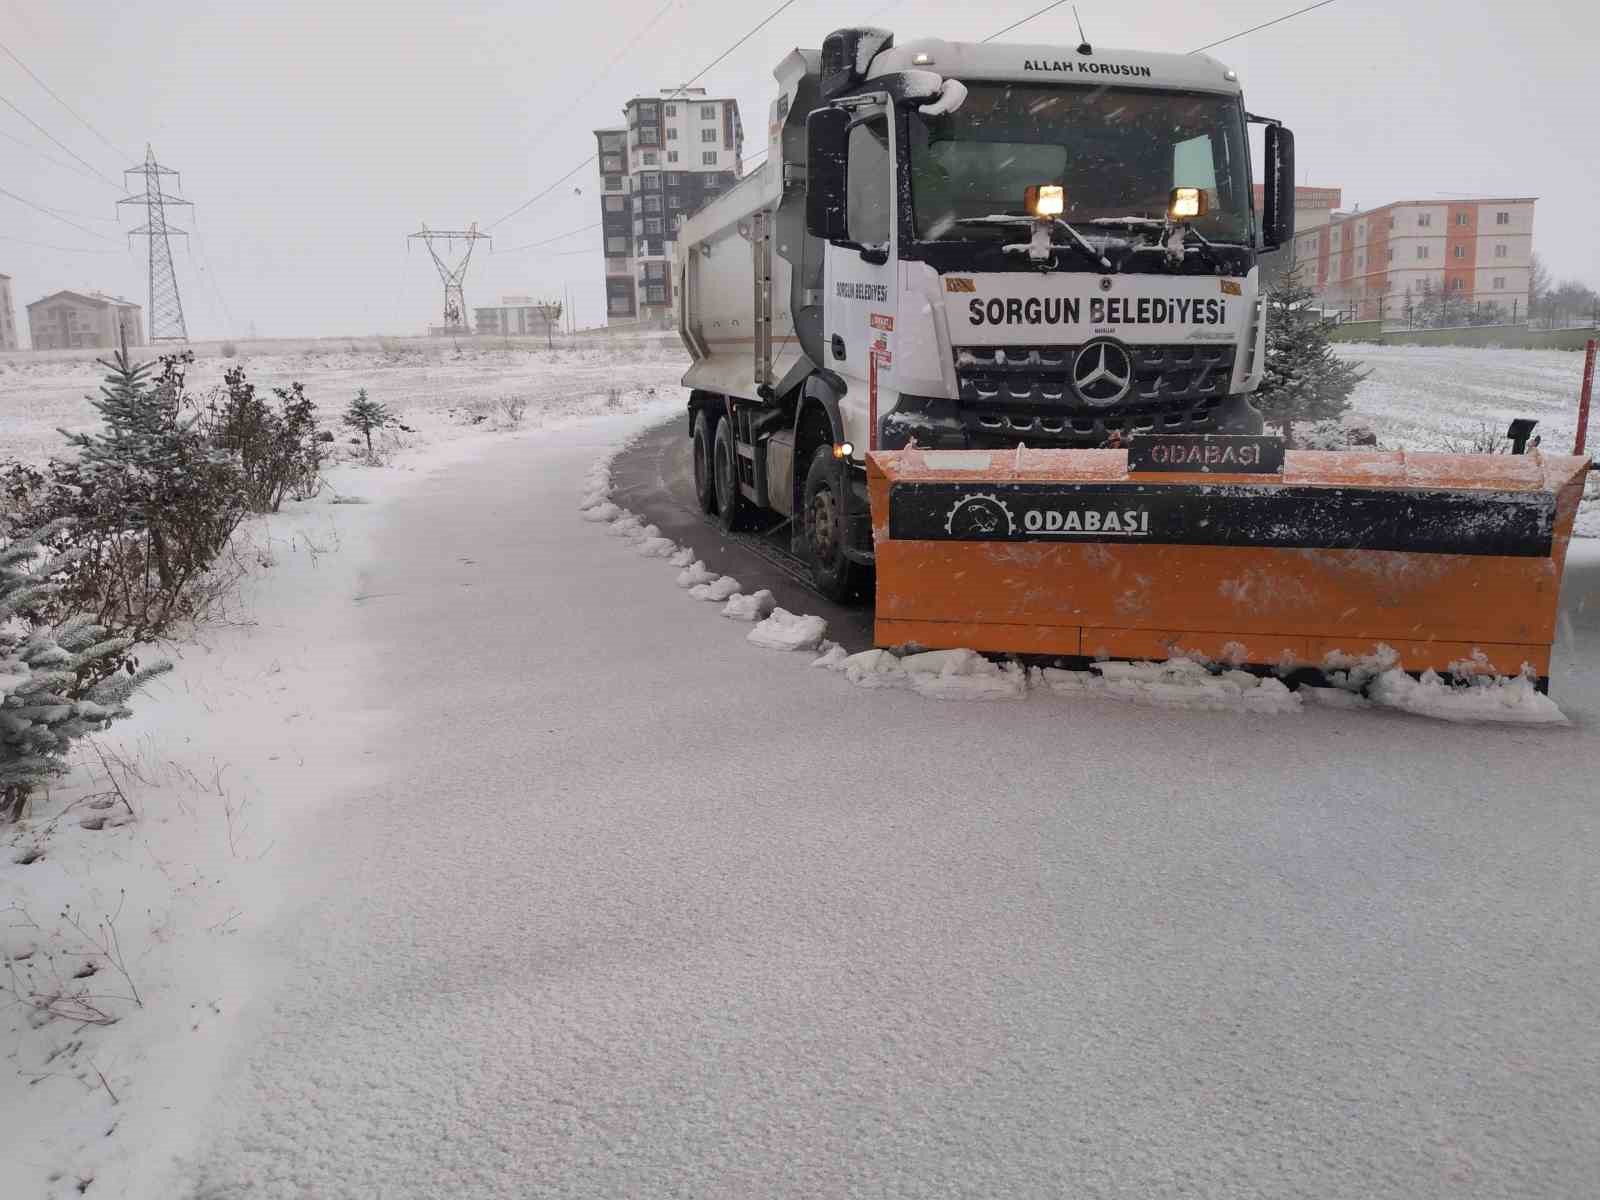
1376,263
676,151
8,316
69,320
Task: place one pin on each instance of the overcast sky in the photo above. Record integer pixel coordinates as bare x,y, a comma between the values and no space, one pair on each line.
313,136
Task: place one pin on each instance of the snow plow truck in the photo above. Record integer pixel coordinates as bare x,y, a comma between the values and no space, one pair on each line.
985,324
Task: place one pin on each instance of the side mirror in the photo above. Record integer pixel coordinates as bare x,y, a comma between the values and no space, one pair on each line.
1277,216
827,154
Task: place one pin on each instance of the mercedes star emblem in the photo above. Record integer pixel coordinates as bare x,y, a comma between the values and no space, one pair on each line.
1102,373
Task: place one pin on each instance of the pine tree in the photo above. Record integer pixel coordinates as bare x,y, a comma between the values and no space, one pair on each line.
1304,379
365,415
44,702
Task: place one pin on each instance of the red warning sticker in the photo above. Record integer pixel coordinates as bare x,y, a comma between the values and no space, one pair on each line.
881,321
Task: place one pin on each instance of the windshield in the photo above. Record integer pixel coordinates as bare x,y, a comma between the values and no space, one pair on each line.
1118,151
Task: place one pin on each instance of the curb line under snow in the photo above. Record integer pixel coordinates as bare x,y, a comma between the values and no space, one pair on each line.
1187,683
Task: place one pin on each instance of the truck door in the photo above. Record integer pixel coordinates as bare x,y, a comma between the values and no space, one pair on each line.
859,295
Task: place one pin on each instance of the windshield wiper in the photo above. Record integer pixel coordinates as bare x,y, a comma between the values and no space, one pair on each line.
1039,249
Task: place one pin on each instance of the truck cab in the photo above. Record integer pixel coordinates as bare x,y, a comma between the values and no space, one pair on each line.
972,246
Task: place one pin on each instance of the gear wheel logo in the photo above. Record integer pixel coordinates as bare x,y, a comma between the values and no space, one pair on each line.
979,514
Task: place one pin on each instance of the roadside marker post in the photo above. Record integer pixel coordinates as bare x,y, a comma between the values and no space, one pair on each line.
1583,398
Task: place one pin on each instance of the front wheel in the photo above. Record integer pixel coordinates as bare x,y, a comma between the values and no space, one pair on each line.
823,520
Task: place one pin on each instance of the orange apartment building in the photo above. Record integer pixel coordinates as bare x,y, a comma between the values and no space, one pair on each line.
1375,263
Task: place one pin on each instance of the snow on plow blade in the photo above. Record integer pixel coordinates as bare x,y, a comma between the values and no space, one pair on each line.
1446,558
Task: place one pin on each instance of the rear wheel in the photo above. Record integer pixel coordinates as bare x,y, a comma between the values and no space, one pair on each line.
704,487
822,514
732,508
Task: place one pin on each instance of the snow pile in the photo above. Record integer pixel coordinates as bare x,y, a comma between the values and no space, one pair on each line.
1176,683
963,675
1379,681
657,547
874,668
602,512
683,557
832,654
784,630
719,589
695,574
756,607
626,525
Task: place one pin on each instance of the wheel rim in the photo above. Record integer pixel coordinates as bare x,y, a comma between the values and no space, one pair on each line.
824,527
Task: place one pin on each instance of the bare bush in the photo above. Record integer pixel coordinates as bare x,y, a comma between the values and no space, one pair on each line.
512,409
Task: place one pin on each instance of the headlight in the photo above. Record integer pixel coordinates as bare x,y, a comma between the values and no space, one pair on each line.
1046,200
1188,203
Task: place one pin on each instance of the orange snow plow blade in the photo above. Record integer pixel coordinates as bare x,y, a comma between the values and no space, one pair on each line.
1278,562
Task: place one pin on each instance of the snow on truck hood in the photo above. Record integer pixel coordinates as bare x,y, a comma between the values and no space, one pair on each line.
1056,64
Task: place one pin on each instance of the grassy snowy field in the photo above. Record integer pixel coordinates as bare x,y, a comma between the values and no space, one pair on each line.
439,387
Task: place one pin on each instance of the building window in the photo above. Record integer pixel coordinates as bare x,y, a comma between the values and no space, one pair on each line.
672,110
614,204
1460,252
650,158
1500,250
708,135
1391,222
652,224
652,204
672,156
1422,252
611,141
658,295
616,245
709,158
1391,254
672,179
647,111
1463,219
1361,260
1502,218
613,183
620,306
672,133
1455,285
674,202
650,182
656,271
708,112
1424,220
649,135
611,164
677,221
1499,283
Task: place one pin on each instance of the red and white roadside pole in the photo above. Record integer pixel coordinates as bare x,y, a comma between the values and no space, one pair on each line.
1583,398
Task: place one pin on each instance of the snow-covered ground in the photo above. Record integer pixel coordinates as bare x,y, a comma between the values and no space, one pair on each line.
475,857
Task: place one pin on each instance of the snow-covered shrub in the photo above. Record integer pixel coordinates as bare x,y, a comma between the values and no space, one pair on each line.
275,448
1304,379
53,685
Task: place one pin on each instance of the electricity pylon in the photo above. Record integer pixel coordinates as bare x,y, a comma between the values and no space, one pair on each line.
454,274
166,306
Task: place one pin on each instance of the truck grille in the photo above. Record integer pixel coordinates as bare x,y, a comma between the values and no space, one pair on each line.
1011,393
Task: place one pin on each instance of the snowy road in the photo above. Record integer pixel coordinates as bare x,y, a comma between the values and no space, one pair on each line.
640,910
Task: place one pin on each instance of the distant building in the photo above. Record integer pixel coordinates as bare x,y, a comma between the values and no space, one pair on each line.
516,316
1313,208
8,316
676,151
70,320
1375,264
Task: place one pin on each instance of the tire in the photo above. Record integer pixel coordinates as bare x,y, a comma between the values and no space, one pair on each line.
1237,415
705,490
822,517
732,508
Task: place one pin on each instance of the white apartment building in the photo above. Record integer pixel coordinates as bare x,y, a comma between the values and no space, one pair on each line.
676,151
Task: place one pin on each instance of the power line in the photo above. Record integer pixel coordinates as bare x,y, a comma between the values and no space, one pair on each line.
6,237
54,162
681,88
548,240
1025,20
51,213
212,275
120,153
58,142
1264,25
